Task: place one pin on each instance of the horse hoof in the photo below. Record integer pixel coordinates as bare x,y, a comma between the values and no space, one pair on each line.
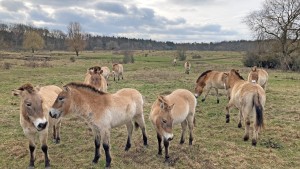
253,142
203,100
30,167
181,142
246,138
218,101
159,153
227,120
48,167
239,125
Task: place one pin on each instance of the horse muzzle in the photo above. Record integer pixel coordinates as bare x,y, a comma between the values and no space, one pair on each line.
53,113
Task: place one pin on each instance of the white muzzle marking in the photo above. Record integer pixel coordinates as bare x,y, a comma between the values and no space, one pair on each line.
196,95
54,113
253,81
168,136
38,121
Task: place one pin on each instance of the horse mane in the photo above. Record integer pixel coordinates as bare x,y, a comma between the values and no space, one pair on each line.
115,64
203,74
28,87
85,86
238,74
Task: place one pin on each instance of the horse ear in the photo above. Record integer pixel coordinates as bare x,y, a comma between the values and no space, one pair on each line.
237,70
226,74
37,88
254,68
101,71
171,107
66,88
16,92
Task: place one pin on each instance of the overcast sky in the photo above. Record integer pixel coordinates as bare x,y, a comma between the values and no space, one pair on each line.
162,20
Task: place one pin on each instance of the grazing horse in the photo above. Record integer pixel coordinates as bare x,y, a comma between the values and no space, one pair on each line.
209,79
175,108
117,70
259,76
94,77
249,98
102,111
106,72
34,118
187,67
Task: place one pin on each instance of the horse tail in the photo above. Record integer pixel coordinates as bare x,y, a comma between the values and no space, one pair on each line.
259,111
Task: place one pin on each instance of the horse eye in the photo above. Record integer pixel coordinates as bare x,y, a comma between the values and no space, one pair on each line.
60,98
28,104
164,121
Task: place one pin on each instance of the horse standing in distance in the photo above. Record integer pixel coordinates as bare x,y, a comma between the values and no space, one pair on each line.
102,111
34,117
174,62
259,76
187,67
177,108
106,72
94,77
249,98
117,70
210,79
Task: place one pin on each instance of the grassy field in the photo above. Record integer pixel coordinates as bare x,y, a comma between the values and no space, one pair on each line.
217,144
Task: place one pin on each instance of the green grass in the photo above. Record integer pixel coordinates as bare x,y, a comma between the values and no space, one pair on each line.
216,145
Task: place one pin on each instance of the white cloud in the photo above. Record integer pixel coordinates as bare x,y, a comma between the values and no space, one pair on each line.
165,20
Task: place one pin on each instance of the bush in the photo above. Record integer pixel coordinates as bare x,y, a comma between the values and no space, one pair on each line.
181,54
266,60
6,65
196,56
128,57
295,63
72,59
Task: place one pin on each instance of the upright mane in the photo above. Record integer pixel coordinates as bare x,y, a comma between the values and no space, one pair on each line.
203,74
115,64
28,87
86,87
238,74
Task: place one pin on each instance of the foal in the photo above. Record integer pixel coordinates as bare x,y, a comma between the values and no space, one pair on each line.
102,111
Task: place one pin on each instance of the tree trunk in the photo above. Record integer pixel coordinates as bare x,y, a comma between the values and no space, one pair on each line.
32,50
76,52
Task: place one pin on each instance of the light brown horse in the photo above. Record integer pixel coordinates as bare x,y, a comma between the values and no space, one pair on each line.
94,77
106,72
34,118
117,70
187,67
102,111
209,79
175,108
249,98
259,76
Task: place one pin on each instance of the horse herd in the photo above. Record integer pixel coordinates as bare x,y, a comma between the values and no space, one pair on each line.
103,111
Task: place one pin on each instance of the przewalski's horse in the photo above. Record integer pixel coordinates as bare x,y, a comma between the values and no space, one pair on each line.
106,72
34,118
117,70
102,111
249,98
187,67
174,62
175,108
94,77
259,76
209,79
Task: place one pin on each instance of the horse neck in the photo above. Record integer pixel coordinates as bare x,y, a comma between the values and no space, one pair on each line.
234,80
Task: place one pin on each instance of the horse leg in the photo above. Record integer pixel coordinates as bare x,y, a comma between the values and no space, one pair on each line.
43,139
122,75
159,139
166,144
255,131
97,146
141,123
190,120
183,126
32,150
129,126
206,94
245,112
56,132
218,101
228,107
240,119
105,136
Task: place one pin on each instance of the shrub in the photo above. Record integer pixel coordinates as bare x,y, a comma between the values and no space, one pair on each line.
196,56
6,65
128,57
181,54
72,59
266,60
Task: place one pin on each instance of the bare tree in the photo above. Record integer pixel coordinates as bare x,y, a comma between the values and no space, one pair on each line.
33,41
279,20
75,38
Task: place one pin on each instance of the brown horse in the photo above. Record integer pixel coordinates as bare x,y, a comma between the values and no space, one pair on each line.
34,118
187,67
117,70
249,98
209,79
175,108
94,77
259,76
103,111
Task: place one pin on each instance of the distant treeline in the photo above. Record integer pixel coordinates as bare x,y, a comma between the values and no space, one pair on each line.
12,35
